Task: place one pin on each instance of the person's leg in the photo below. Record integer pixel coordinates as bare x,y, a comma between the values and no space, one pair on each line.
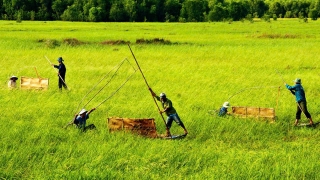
89,127
303,106
168,124
169,121
63,82
298,114
60,83
179,122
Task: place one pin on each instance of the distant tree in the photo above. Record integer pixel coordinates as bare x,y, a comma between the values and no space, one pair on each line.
19,16
95,10
257,7
304,8
314,11
313,14
130,8
73,13
58,7
32,15
288,14
249,18
238,10
296,7
218,13
1,8
44,10
150,10
315,5
156,10
141,11
266,18
95,14
274,17
118,12
9,9
172,10
276,8
194,10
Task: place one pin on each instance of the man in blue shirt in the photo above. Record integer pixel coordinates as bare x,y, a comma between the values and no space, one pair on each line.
224,109
298,91
62,73
81,119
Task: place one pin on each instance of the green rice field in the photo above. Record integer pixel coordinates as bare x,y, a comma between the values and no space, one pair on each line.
198,65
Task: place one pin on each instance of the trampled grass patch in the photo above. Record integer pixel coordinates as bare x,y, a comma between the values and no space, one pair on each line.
115,42
279,36
205,65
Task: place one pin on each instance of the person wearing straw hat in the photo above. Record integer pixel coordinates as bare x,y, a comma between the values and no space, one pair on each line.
12,82
81,119
299,93
224,109
170,111
62,73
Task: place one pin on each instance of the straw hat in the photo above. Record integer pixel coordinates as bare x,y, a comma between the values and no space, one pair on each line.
82,111
226,104
14,78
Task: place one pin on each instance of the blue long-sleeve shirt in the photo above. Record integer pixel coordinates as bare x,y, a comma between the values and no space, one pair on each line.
82,121
223,111
298,91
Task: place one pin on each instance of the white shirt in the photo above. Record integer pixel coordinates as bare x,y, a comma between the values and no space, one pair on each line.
12,84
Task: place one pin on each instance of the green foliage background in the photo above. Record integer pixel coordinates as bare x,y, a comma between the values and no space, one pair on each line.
205,65
156,11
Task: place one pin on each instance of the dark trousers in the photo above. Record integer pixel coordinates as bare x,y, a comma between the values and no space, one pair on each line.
89,127
302,107
61,82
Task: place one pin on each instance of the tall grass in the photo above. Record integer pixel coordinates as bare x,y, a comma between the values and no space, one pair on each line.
206,64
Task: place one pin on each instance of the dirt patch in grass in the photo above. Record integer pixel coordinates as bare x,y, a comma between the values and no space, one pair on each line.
115,42
308,67
72,42
153,41
278,36
50,43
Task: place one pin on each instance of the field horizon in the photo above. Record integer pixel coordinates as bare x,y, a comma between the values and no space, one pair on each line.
198,65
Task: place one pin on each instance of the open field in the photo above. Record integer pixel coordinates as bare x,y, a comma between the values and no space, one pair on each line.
204,65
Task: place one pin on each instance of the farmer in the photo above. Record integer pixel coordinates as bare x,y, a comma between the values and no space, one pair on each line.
81,119
298,91
12,82
61,73
170,112
224,109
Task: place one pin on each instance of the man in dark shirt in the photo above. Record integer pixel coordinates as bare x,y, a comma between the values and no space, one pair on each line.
62,73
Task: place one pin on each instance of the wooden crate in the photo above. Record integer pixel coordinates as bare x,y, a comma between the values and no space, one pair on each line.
254,112
34,83
140,126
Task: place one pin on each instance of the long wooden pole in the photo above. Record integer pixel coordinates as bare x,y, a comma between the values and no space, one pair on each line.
145,80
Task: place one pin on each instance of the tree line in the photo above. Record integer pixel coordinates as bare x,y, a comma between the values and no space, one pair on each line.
156,10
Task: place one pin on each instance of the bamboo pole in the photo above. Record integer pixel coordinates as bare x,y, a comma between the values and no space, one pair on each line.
145,80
